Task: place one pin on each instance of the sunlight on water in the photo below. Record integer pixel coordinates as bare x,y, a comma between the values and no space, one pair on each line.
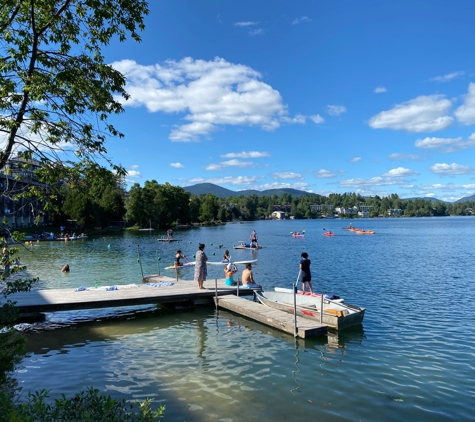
412,359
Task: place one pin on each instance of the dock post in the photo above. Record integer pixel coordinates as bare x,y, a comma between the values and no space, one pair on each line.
295,305
158,263
216,292
139,261
321,309
237,288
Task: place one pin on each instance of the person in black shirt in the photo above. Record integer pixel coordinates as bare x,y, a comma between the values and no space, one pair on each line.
306,274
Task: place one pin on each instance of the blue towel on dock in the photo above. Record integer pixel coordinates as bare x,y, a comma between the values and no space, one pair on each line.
112,288
161,284
80,289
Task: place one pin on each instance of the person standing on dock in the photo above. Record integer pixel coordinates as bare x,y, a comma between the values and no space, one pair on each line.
201,268
306,274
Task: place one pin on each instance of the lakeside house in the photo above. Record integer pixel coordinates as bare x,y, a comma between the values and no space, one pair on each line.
15,178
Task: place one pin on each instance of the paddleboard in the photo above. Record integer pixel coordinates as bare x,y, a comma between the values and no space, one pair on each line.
186,264
168,240
249,261
285,290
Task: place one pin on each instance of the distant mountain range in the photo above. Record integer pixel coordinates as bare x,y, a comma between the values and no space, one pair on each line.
220,192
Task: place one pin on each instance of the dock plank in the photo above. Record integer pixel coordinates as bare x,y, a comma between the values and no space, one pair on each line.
273,317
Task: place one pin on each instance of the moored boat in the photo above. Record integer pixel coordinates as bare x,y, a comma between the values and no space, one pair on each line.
337,316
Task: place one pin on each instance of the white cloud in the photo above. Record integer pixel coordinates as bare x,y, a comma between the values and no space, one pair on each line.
465,114
277,185
335,110
400,172
176,165
448,187
451,169
298,21
446,144
235,181
207,94
133,173
324,174
229,163
354,159
287,175
134,166
448,76
259,31
246,154
422,114
298,118
379,90
402,157
374,181
317,119
245,24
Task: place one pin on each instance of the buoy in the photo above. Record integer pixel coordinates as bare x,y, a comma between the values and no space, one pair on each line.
194,256
211,244
138,260
109,245
190,243
214,254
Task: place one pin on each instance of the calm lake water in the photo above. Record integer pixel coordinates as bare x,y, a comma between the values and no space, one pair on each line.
412,359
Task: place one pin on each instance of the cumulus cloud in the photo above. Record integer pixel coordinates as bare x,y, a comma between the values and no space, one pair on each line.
422,114
324,174
228,180
133,173
245,24
287,175
229,163
374,181
402,157
246,154
335,110
465,114
258,31
298,21
176,165
354,159
448,77
206,94
277,185
400,172
317,119
449,187
446,144
451,169
379,90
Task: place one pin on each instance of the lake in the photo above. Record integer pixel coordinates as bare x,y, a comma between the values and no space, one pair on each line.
412,358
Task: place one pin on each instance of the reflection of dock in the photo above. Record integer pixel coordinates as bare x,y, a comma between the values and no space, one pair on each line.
273,317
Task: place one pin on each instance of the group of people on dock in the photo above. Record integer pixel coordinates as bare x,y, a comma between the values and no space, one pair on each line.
201,270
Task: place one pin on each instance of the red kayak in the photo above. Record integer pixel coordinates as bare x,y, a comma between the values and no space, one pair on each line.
328,234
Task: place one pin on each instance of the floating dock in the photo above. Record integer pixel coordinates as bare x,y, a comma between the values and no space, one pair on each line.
273,317
161,290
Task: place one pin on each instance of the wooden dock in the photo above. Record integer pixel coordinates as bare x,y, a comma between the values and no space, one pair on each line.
161,290
181,292
273,317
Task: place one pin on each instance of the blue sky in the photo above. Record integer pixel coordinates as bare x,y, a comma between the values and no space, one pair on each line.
333,96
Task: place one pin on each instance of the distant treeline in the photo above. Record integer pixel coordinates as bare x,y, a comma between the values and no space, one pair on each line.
98,202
